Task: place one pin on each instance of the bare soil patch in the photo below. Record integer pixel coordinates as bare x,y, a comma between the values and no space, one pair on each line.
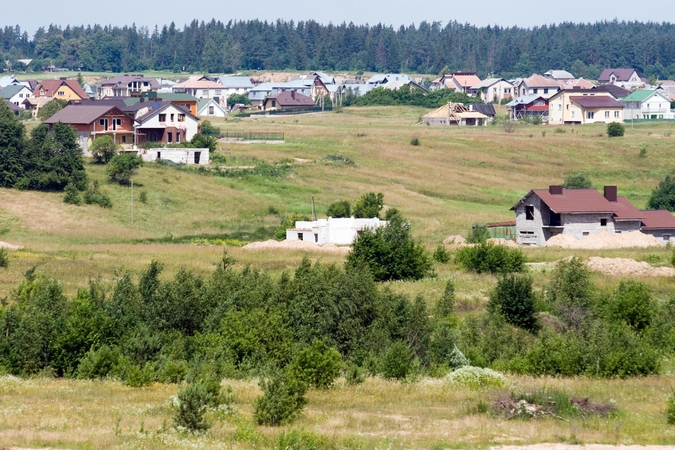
603,240
627,266
271,244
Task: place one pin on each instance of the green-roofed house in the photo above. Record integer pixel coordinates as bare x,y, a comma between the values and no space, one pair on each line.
179,99
652,104
15,94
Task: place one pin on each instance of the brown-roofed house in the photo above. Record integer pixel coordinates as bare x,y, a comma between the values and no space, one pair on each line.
621,76
287,100
582,106
128,86
62,89
538,85
544,213
93,121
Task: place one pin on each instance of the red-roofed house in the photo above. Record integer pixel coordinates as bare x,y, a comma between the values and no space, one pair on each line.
462,82
201,87
544,213
62,89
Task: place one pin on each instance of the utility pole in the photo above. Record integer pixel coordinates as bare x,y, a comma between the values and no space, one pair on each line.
313,209
132,201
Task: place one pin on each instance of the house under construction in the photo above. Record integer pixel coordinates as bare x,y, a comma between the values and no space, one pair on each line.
455,114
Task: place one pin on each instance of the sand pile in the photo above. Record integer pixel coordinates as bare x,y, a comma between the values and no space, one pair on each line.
604,240
271,244
9,246
454,240
504,242
627,266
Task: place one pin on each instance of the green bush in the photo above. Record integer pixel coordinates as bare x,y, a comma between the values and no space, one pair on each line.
415,141
670,409
441,254
95,196
98,363
397,361
446,304
354,374
72,195
103,149
632,304
238,99
201,140
663,197
122,167
577,181
478,235
514,299
369,206
490,258
208,129
193,401
173,371
390,252
135,375
283,399
303,440
339,209
317,366
143,197
50,108
615,129
4,257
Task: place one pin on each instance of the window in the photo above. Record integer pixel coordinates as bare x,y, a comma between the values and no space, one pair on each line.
162,117
172,116
116,123
211,110
603,222
559,107
607,114
572,114
124,139
586,233
61,94
590,115
205,92
545,91
529,212
169,137
218,92
534,91
616,114
274,104
103,123
181,117
666,237
178,138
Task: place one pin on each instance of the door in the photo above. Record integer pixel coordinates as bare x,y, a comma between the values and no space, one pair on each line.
198,156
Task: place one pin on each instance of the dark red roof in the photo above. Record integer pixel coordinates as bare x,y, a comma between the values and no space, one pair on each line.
657,219
52,86
83,114
287,99
596,101
501,224
614,90
621,74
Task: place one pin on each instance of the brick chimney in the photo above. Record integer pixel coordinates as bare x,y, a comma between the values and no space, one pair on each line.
555,190
293,94
610,193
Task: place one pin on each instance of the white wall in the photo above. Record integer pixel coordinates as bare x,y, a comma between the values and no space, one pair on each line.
331,231
177,155
189,125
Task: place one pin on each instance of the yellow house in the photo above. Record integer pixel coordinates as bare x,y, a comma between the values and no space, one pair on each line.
582,106
62,89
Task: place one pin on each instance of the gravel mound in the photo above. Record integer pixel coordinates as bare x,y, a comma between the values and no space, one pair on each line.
604,240
627,266
271,244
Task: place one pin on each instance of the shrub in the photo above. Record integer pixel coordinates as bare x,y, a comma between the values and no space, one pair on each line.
122,167
317,365
571,290
490,258
615,129
72,195
415,141
283,399
476,378
355,374
238,99
369,206
173,371
670,409
4,257
98,363
143,197
478,235
208,129
577,181
663,197
134,375
632,303
390,252
397,361
95,196
338,209
50,108
201,140
514,299
103,149
446,304
303,440
339,160
441,254
193,402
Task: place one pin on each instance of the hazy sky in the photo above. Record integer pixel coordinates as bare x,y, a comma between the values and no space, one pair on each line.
524,13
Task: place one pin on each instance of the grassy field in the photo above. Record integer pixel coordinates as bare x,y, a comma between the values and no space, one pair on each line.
455,177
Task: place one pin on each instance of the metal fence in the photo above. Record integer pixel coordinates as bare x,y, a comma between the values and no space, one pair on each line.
253,136
289,112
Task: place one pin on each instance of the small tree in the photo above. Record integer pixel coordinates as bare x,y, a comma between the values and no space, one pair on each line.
663,197
397,361
441,254
208,129
4,257
317,365
103,149
201,140
369,205
339,209
577,181
633,304
283,399
72,195
446,304
238,99
514,299
122,167
193,402
615,129
50,108
479,234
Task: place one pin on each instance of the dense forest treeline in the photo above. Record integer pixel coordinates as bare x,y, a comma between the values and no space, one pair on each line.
426,48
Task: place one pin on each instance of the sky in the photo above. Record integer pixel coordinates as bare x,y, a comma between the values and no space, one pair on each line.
523,13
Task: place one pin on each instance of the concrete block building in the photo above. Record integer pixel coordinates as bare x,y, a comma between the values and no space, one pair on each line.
331,231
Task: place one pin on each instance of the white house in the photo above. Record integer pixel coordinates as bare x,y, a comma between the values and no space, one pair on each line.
189,156
168,123
647,104
16,94
201,87
341,231
235,85
493,89
536,84
208,107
